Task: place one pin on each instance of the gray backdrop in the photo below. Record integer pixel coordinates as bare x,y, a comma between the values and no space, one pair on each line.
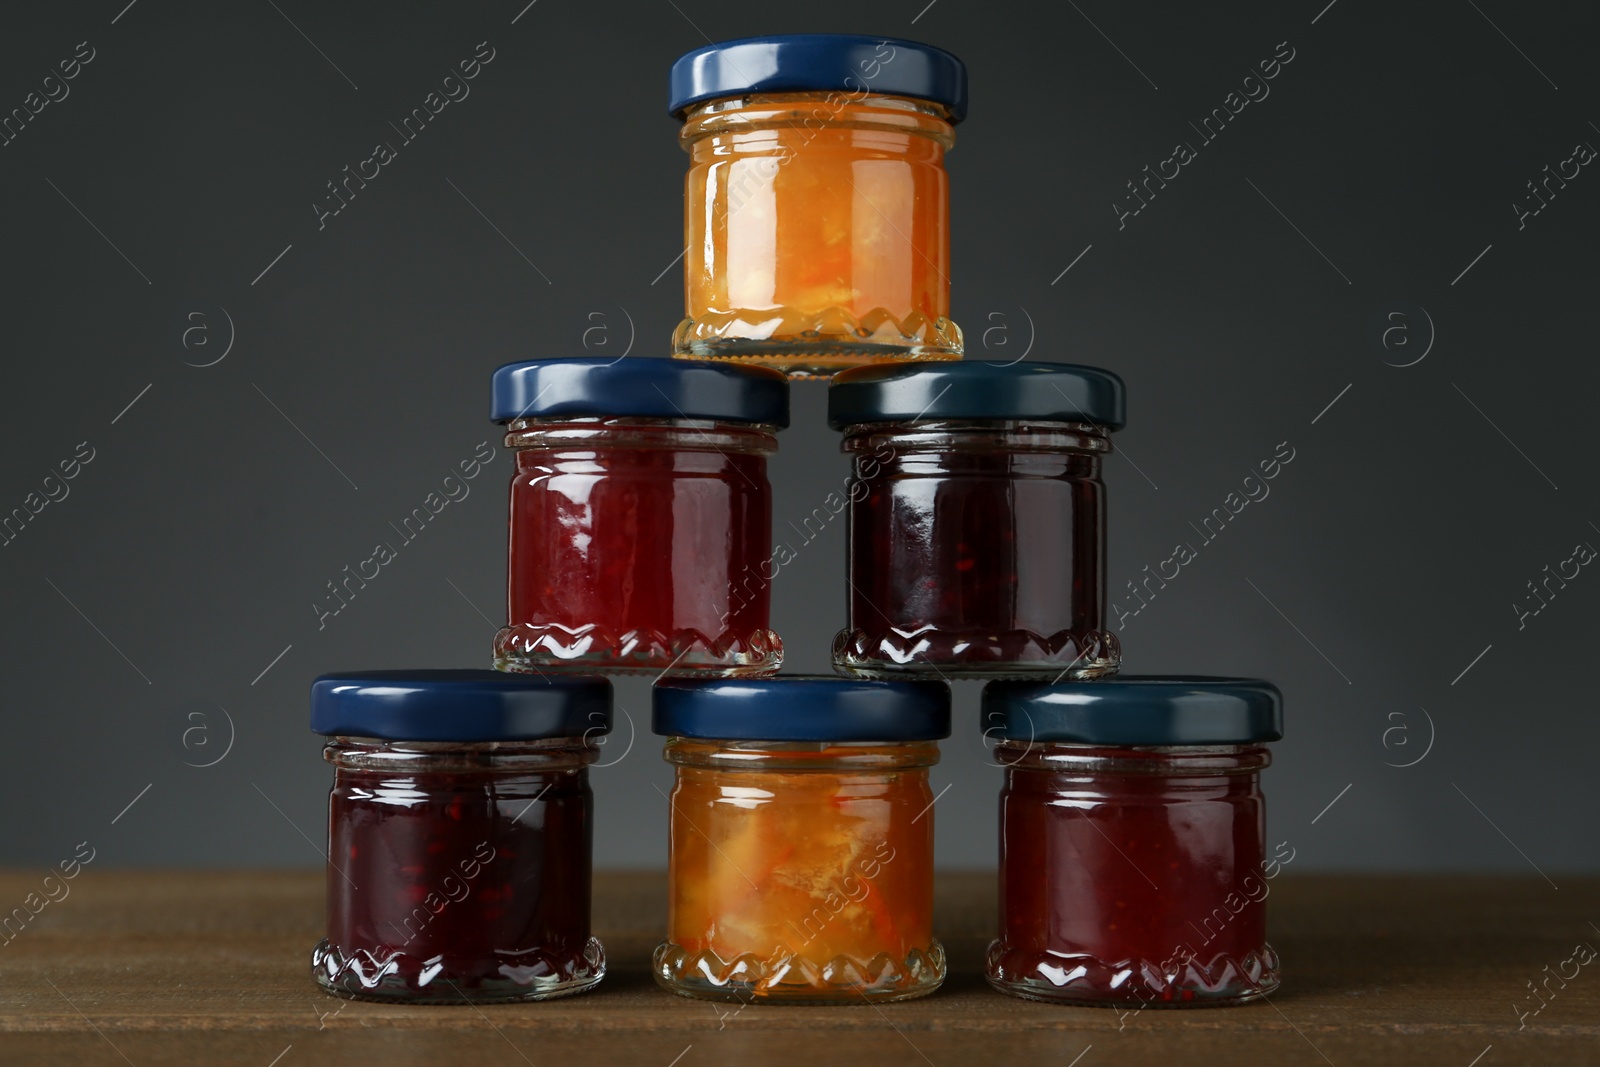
1345,268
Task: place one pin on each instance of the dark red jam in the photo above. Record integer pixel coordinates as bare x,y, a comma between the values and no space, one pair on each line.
639,544
459,871
977,549
1133,877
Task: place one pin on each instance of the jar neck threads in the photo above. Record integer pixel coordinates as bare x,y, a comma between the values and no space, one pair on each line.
976,435
789,756
423,757
680,435
818,115
1132,761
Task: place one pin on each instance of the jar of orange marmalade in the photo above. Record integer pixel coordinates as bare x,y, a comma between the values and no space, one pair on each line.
816,212
801,864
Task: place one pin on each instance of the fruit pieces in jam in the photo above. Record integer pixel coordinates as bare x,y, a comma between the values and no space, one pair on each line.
818,232
978,552
632,548
801,884
455,886
1139,888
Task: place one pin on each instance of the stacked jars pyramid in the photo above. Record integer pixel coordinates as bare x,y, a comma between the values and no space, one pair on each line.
1132,860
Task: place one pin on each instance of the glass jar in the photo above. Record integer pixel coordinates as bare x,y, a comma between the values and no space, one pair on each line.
640,516
816,209
977,519
1133,869
459,835
801,839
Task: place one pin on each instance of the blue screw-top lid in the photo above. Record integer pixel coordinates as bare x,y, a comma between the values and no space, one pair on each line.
1135,711
644,387
908,392
456,705
801,708
818,62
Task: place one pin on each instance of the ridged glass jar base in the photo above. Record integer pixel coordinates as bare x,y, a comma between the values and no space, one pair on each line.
400,977
1069,654
529,649
1075,978
789,977
818,347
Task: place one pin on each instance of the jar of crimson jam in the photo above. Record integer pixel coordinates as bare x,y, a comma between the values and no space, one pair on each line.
1132,841
459,835
801,839
641,516
816,210
977,519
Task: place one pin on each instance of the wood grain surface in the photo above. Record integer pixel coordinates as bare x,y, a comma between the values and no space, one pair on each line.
155,969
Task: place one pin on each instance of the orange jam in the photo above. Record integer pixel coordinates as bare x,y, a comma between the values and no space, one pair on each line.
801,871
817,231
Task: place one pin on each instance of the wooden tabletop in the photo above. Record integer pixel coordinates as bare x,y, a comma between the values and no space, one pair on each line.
154,969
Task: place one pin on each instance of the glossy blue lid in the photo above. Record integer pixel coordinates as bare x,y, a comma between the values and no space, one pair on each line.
451,705
819,62
644,387
907,392
801,708
1129,710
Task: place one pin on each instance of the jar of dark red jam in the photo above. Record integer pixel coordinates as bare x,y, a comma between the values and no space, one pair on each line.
641,516
817,207
1132,841
459,835
977,519
801,862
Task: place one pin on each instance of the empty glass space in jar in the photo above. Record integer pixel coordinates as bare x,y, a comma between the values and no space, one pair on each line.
977,520
816,210
459,870
801,869
1133,868
640,516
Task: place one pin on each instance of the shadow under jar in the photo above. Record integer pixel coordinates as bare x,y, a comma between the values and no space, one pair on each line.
460,830
816,208
977,519
801,866
640,516
1133,871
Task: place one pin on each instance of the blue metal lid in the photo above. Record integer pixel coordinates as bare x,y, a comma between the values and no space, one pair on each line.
445,705
1135,711
801,708
818,62
642,387
907,392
